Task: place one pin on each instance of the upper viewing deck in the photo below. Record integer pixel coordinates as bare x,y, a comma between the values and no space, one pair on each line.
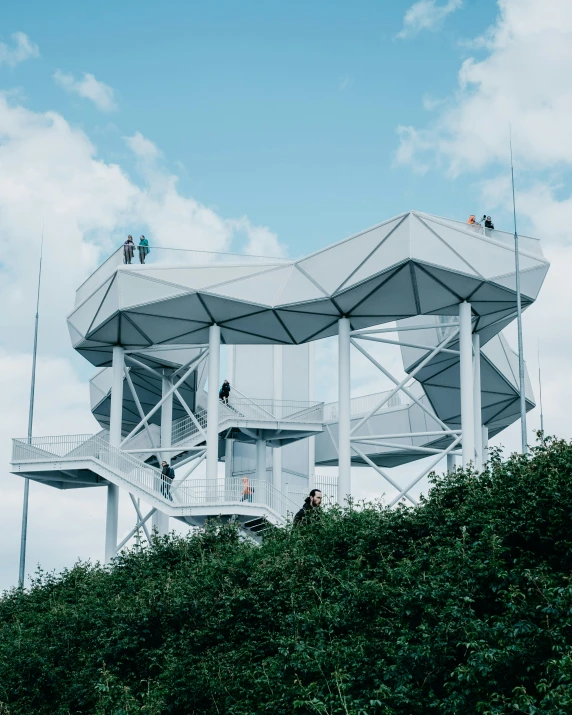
412,264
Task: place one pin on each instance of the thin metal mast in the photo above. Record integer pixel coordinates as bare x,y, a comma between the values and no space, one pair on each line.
524,448
24,536
540,392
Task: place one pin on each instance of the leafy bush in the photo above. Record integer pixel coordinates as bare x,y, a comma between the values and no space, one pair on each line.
461,605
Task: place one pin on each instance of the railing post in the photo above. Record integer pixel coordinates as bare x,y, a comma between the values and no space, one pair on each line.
478,420
115,426
213,406
344,388
466,382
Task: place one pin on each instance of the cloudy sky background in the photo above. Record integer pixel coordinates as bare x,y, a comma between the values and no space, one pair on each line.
274,130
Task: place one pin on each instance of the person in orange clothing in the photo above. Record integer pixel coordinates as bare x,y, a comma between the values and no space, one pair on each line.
247,490
473,221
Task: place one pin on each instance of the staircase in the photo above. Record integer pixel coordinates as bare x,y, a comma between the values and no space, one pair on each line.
245,411
190,500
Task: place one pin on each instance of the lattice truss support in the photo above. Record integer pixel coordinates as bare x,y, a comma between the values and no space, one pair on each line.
171,382
469,439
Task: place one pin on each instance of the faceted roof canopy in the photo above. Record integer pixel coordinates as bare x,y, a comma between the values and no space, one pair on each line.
413,264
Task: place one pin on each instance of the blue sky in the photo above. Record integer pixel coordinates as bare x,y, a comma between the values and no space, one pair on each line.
286,112
272,126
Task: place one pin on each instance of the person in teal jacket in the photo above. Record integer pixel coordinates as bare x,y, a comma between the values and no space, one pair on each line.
143,248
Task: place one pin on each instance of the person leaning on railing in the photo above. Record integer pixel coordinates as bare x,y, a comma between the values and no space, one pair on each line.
143,249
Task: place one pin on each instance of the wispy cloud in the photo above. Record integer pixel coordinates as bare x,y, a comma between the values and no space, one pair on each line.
345,81
427,15
101,94
142,147
22,49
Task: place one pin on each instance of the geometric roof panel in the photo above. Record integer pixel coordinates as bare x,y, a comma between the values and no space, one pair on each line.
409,265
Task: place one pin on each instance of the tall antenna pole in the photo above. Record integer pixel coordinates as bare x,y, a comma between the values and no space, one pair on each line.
540,392
524,447
24,536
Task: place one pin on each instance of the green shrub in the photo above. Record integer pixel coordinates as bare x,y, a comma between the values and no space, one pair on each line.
461,605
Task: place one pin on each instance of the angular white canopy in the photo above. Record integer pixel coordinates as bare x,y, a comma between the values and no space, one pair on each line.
413,264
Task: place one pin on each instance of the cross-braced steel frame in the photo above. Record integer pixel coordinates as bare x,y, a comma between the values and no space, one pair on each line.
469,438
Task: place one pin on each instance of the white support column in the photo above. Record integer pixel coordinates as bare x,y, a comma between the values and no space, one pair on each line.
261,459
312,397
228,445
344,395
466,369
477,402
115,424
160,521
213,406
485,444
451,462
277,394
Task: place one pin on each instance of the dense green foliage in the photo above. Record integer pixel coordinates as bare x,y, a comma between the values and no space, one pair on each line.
462,605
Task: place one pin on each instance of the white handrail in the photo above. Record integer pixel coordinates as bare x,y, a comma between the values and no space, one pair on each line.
191,493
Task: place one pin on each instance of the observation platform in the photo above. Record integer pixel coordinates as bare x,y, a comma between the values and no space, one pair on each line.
414,264
158,328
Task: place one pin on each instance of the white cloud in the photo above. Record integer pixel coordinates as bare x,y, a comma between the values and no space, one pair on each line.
51,175
260,240
101,94
23,49
427,15
524,79
142,147
345,81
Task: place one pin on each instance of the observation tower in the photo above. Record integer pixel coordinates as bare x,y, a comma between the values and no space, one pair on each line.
440,289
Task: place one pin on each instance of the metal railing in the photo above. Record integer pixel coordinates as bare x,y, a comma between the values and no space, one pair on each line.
362,405
159,256
241,408
234,491
188,493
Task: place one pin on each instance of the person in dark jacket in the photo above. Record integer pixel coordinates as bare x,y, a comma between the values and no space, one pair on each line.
489,223
143,248
311,503
128,250
224,392
167,476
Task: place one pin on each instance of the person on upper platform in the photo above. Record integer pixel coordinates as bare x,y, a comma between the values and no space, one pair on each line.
488,222
472,220
128,249
143,248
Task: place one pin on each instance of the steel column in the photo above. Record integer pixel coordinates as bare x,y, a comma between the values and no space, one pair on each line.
451,462
478,419
228,444
261,459
312,397
485,444
277,395
466,369
344,415
213,405
115,425
160,521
